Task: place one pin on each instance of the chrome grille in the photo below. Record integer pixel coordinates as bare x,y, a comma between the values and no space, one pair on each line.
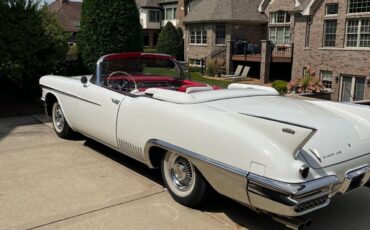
311,204
130,149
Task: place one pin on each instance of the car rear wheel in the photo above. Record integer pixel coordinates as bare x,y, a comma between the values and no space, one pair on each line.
183,181
60,124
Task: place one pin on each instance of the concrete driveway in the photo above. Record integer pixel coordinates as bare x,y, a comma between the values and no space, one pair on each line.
50,183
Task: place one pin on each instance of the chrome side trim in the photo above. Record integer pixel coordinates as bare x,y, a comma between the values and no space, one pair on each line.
179,150
69,95
280,121
293,188
225,179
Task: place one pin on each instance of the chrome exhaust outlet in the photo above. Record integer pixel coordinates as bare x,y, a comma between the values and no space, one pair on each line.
292,223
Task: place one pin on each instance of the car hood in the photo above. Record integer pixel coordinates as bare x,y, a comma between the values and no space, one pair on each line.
342,132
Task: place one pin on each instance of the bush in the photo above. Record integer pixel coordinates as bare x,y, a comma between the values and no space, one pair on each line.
213,67
280,86
110,26
180,34
71,65
31,42
168,41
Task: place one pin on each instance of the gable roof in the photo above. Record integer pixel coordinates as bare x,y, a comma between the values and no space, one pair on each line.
305,7
226,11
68,14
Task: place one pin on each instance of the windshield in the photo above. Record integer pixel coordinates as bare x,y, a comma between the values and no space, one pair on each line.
138,66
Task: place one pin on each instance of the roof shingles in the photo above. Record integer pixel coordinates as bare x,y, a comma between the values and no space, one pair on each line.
226,11
68,15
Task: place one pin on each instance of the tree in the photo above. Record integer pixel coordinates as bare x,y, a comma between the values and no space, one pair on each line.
109,26
180,34
31,42
168,41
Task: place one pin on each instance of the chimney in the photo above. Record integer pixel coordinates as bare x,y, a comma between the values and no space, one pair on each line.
181,11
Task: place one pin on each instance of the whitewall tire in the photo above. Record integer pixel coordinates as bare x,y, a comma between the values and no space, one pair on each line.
61,127
183,181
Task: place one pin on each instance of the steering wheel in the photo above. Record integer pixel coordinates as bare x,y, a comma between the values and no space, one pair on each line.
128,75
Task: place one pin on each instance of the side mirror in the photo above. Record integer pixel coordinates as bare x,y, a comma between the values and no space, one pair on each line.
84,80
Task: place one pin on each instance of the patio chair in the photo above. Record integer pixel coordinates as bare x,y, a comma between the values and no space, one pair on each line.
237,73
244,74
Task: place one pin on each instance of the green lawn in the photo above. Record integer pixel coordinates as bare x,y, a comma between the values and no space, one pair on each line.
196,76
150,50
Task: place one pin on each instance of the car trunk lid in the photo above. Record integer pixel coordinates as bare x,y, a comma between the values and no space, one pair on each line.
339,137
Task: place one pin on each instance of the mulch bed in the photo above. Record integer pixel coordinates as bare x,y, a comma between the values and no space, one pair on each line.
12,105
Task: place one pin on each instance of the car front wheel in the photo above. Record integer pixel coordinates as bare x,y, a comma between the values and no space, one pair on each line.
184,182
60,124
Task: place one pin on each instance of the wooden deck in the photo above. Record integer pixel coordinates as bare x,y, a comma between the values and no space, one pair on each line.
257,58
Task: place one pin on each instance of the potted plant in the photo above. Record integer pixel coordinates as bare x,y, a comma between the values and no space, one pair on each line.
309,83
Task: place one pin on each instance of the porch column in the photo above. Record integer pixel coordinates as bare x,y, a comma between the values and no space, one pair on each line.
229,53
265,61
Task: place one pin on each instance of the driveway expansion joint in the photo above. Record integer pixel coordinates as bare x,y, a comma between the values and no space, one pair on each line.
94,211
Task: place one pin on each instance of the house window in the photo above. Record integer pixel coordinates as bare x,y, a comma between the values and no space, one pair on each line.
352,88
188,9
195,62
198,35
77,23
279,17
358,33
154,16
308,32
326,78
359,6
170,13
331,8
330,31
220,35
280,35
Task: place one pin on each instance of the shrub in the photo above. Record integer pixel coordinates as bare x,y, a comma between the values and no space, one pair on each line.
168,41
213,67
110,26
180,34
31,42
71,65
280,86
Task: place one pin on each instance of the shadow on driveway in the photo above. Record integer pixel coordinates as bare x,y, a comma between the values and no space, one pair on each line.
344,212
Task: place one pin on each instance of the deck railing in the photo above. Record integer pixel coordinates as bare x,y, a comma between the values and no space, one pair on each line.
254,49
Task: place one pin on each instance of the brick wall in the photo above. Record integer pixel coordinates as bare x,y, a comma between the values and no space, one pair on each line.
181,10
253,33
283,5
338,59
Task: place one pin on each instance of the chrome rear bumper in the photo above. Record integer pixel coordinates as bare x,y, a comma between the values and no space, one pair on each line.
296,199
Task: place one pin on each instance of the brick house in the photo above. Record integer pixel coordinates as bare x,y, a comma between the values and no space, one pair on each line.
68,14
333,37
210,24
154,14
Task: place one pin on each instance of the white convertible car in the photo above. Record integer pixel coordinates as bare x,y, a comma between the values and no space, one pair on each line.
282,156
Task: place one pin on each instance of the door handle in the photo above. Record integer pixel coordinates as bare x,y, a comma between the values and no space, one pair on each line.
115,101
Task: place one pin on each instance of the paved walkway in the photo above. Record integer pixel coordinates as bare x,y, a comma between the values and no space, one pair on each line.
50,183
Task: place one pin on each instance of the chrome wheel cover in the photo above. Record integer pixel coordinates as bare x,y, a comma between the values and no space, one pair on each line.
58,118
181,172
